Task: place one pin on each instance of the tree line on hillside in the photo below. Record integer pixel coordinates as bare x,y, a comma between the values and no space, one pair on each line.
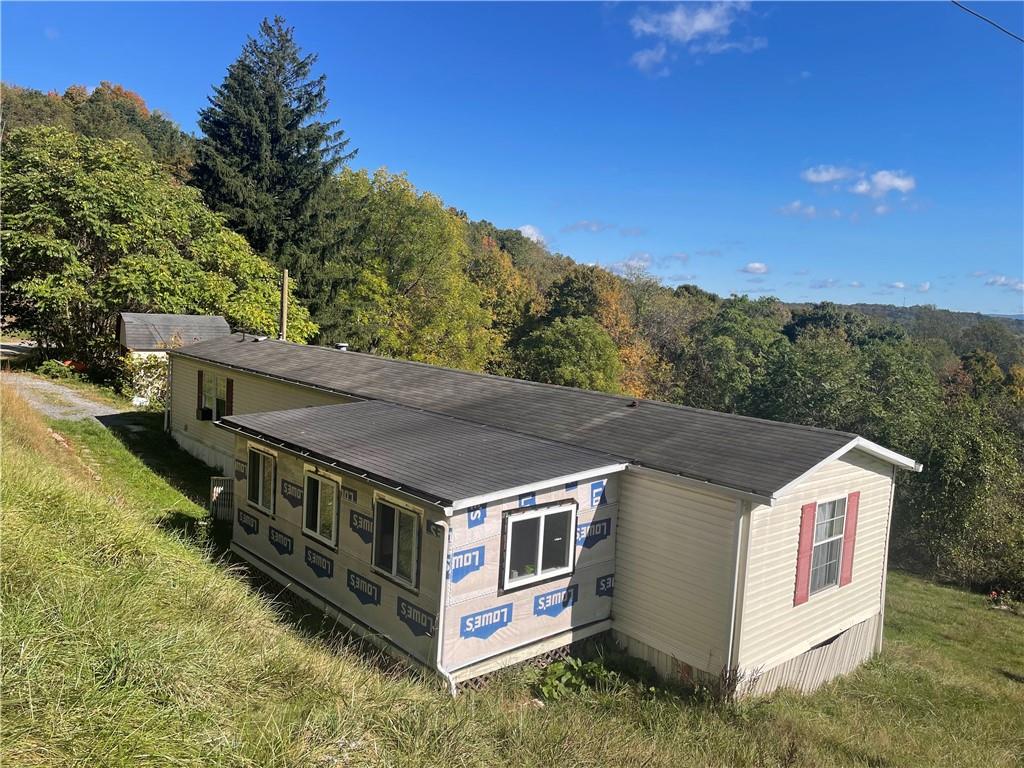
126,212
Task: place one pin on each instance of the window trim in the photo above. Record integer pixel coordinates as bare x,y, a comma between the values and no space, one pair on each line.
529,513
214,381
811,592
315,535
399,506
268,510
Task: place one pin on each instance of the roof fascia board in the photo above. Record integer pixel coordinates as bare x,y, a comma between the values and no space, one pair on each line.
703,485
485,498
860,443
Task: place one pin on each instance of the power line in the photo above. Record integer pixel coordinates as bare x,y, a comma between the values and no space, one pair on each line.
1014,35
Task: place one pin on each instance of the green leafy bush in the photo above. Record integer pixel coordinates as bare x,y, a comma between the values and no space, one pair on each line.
573,676
55,369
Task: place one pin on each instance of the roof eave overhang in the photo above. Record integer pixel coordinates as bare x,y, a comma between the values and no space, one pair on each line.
861,444
486,498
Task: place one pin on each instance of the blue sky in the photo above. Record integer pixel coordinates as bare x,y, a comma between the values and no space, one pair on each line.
852,152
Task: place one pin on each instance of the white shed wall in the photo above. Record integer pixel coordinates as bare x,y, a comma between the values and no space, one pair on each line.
675,565
771,629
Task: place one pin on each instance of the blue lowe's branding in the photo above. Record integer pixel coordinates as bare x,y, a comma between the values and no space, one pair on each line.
597,493
571,486
367,591
434,529
589,534
527,499
420,622
281,541
465,562
320,564
291,492
606,585
248,523
349,494
477,515
239,470
553,603
483,624
362,525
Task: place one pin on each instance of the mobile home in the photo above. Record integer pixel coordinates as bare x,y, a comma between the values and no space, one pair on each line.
708,544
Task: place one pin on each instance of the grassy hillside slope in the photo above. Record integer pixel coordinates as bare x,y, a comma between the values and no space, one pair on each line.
125,644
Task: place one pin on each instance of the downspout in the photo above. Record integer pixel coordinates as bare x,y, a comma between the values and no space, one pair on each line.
452,686
167,410
741,537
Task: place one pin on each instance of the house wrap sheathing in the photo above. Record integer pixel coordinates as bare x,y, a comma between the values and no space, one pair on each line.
715,546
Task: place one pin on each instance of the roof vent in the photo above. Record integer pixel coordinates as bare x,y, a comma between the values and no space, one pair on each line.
259,338
341,346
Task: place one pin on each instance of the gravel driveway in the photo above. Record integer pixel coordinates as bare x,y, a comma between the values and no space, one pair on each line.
55,400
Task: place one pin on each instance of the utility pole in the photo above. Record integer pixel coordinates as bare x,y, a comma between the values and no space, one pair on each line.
283,324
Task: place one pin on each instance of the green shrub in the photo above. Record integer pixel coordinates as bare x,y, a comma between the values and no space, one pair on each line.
55,369
573,676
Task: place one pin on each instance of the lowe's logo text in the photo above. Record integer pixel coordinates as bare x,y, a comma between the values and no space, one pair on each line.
483,624
597,493
553,603
248,523
367,591
477,515
589,534
321,565
420,622
291,492
606,585
281,541
465,562
362,525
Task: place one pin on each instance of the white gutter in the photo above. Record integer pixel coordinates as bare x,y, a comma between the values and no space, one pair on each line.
438,664
484,498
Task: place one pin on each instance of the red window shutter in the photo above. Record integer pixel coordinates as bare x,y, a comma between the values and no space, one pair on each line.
229,403
199,391
849,538
803,554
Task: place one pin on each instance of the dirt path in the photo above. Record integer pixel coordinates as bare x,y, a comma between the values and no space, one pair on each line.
56,401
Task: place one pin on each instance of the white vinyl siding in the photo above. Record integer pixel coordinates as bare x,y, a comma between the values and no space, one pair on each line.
674,570
252,394
772,630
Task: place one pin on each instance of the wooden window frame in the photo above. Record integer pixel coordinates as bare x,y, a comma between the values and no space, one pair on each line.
267,510
400,507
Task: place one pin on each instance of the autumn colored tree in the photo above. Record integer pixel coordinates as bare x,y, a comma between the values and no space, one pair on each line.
574,352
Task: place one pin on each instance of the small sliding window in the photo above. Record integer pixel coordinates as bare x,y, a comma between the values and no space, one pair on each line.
538,544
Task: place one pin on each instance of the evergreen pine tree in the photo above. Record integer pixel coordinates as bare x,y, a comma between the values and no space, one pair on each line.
265,159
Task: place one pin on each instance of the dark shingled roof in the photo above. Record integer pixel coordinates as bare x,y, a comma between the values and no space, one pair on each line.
148,332
440,458
751,455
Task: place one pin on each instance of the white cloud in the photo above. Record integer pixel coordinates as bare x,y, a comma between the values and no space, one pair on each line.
632,231
703,29
979,273
681,256
881,183
825,174
827,283
755,268
1003,281
899,285
924,287
531,232
881,210
797,208
651,60
856,284
587,225
640,260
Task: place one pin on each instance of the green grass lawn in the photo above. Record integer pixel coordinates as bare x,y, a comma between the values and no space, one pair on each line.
128,641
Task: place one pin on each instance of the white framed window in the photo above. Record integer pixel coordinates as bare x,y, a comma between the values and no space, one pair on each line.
539,544
396,540
829,526
215,395
320,518
262,474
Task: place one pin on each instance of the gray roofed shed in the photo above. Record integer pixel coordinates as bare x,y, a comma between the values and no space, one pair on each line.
440,458
755,456
153,332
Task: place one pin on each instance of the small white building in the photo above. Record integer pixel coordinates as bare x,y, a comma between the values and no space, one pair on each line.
146,334
712,545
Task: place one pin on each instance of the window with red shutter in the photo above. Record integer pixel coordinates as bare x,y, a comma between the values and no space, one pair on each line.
805,546
849,538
